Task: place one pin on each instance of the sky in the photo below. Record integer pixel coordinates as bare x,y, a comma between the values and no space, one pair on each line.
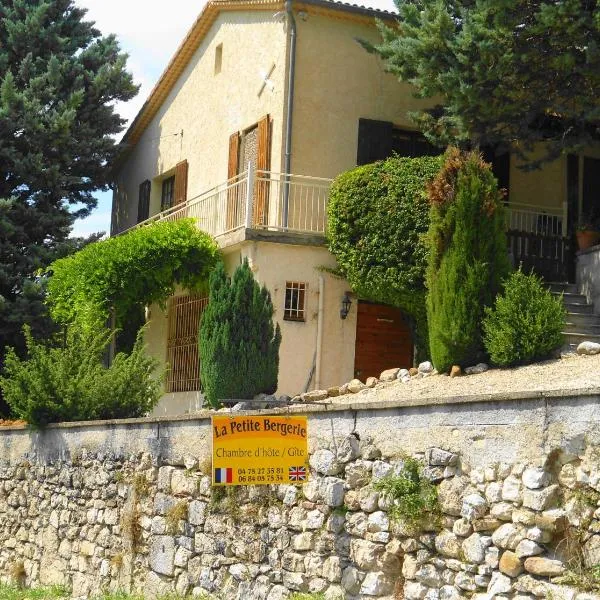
149,31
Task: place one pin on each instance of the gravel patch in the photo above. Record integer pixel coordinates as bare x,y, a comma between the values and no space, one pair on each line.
570,372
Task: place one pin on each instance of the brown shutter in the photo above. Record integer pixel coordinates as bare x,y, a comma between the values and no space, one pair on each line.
234,155
233,215
181,181
263,160
144,201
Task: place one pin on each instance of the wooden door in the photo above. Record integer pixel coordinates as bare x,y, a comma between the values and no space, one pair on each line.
383,340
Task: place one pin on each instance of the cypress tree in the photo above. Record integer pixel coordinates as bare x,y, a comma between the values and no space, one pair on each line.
59,80
238,344
468,258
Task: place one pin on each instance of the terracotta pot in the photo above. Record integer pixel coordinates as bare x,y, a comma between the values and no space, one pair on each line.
587,238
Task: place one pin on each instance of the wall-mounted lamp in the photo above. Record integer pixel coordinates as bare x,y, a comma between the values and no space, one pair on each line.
346,303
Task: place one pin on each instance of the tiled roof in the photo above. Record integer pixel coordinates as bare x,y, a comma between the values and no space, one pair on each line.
201,26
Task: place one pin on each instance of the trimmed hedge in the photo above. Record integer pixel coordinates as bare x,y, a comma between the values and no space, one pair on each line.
378,216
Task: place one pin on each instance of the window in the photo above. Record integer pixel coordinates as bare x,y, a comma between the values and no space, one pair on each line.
295,301
218,58
144,201
182,343
166,197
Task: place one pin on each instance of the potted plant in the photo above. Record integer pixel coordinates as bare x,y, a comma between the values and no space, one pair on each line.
587,233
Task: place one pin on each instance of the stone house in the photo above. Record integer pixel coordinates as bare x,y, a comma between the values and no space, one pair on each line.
261,106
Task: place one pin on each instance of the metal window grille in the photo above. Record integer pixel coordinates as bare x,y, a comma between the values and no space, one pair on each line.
295,301
182,343
168,188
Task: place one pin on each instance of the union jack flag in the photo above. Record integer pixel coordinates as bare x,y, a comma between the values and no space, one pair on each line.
297,473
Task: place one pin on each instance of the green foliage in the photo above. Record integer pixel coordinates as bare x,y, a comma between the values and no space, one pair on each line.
414,501
59,83
489,65
239,347
468,258
378,215
70,382
526,322
130,271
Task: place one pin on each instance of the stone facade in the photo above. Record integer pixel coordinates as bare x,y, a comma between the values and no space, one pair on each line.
103,520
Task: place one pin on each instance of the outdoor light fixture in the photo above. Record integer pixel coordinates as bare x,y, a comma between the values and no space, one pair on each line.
346,302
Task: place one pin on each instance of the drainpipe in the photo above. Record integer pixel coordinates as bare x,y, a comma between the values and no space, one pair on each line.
290,109
319,335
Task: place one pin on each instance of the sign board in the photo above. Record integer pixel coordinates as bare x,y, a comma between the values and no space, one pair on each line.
259,450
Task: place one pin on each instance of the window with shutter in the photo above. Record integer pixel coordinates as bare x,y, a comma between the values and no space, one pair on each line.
181,182
166,196
184,313
144,201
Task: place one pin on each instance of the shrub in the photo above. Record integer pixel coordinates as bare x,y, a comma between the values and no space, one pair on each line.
377,217
69,382
526,322
468,257
125,273
414,500
238,345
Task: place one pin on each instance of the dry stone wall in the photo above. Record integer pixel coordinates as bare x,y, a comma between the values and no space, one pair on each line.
94,517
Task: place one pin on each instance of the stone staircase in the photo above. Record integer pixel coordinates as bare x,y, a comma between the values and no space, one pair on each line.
582,324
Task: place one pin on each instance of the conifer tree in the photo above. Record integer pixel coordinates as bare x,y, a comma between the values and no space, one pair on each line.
468,258
238,344
59,80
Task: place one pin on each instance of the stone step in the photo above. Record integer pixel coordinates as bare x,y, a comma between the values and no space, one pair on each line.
557,286
583,320
593,328
574,339
569,298
579,308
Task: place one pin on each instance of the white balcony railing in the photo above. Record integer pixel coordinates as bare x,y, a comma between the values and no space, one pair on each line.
536,219
257,200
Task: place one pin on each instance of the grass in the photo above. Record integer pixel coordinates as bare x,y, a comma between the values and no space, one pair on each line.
59,592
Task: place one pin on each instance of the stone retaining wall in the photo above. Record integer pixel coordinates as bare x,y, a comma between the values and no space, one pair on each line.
129,505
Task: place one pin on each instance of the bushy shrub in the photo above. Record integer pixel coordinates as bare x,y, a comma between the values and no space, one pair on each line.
526,322
238,344
127,272
468,258
70,382
377,217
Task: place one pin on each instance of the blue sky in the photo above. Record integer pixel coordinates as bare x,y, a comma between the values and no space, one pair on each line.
149,31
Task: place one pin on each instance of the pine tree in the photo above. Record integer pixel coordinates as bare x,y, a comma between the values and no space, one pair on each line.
59,79
238,345
468,258
501,73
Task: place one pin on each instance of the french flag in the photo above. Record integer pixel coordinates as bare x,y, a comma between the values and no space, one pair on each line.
224,475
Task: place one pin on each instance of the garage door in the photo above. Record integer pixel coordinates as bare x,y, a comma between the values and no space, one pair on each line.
383,340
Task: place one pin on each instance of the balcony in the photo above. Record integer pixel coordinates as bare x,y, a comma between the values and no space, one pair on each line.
257,200
535,219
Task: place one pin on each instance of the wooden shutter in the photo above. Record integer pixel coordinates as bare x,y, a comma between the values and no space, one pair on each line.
144,201
233,215
263,160
374,141
181,181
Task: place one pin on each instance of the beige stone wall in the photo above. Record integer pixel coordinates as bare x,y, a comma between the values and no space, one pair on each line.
208,108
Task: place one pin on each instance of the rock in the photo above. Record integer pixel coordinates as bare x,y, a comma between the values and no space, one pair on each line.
378,521
542,499
474,506
351,579
348,449
502,511
414,590
413,371
511,489
542,536
535,478
499,584
455,371
510,564
365,554
527,548
448,544
324,462
591,551
403,374
332,491
545,567
462,527
508,536
449,495
477,369
466,582
475,546
588,348
429,576
314,396
436,457
356,386
162,555
377,583
371,382
425,367
389,374
568,476
333,391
